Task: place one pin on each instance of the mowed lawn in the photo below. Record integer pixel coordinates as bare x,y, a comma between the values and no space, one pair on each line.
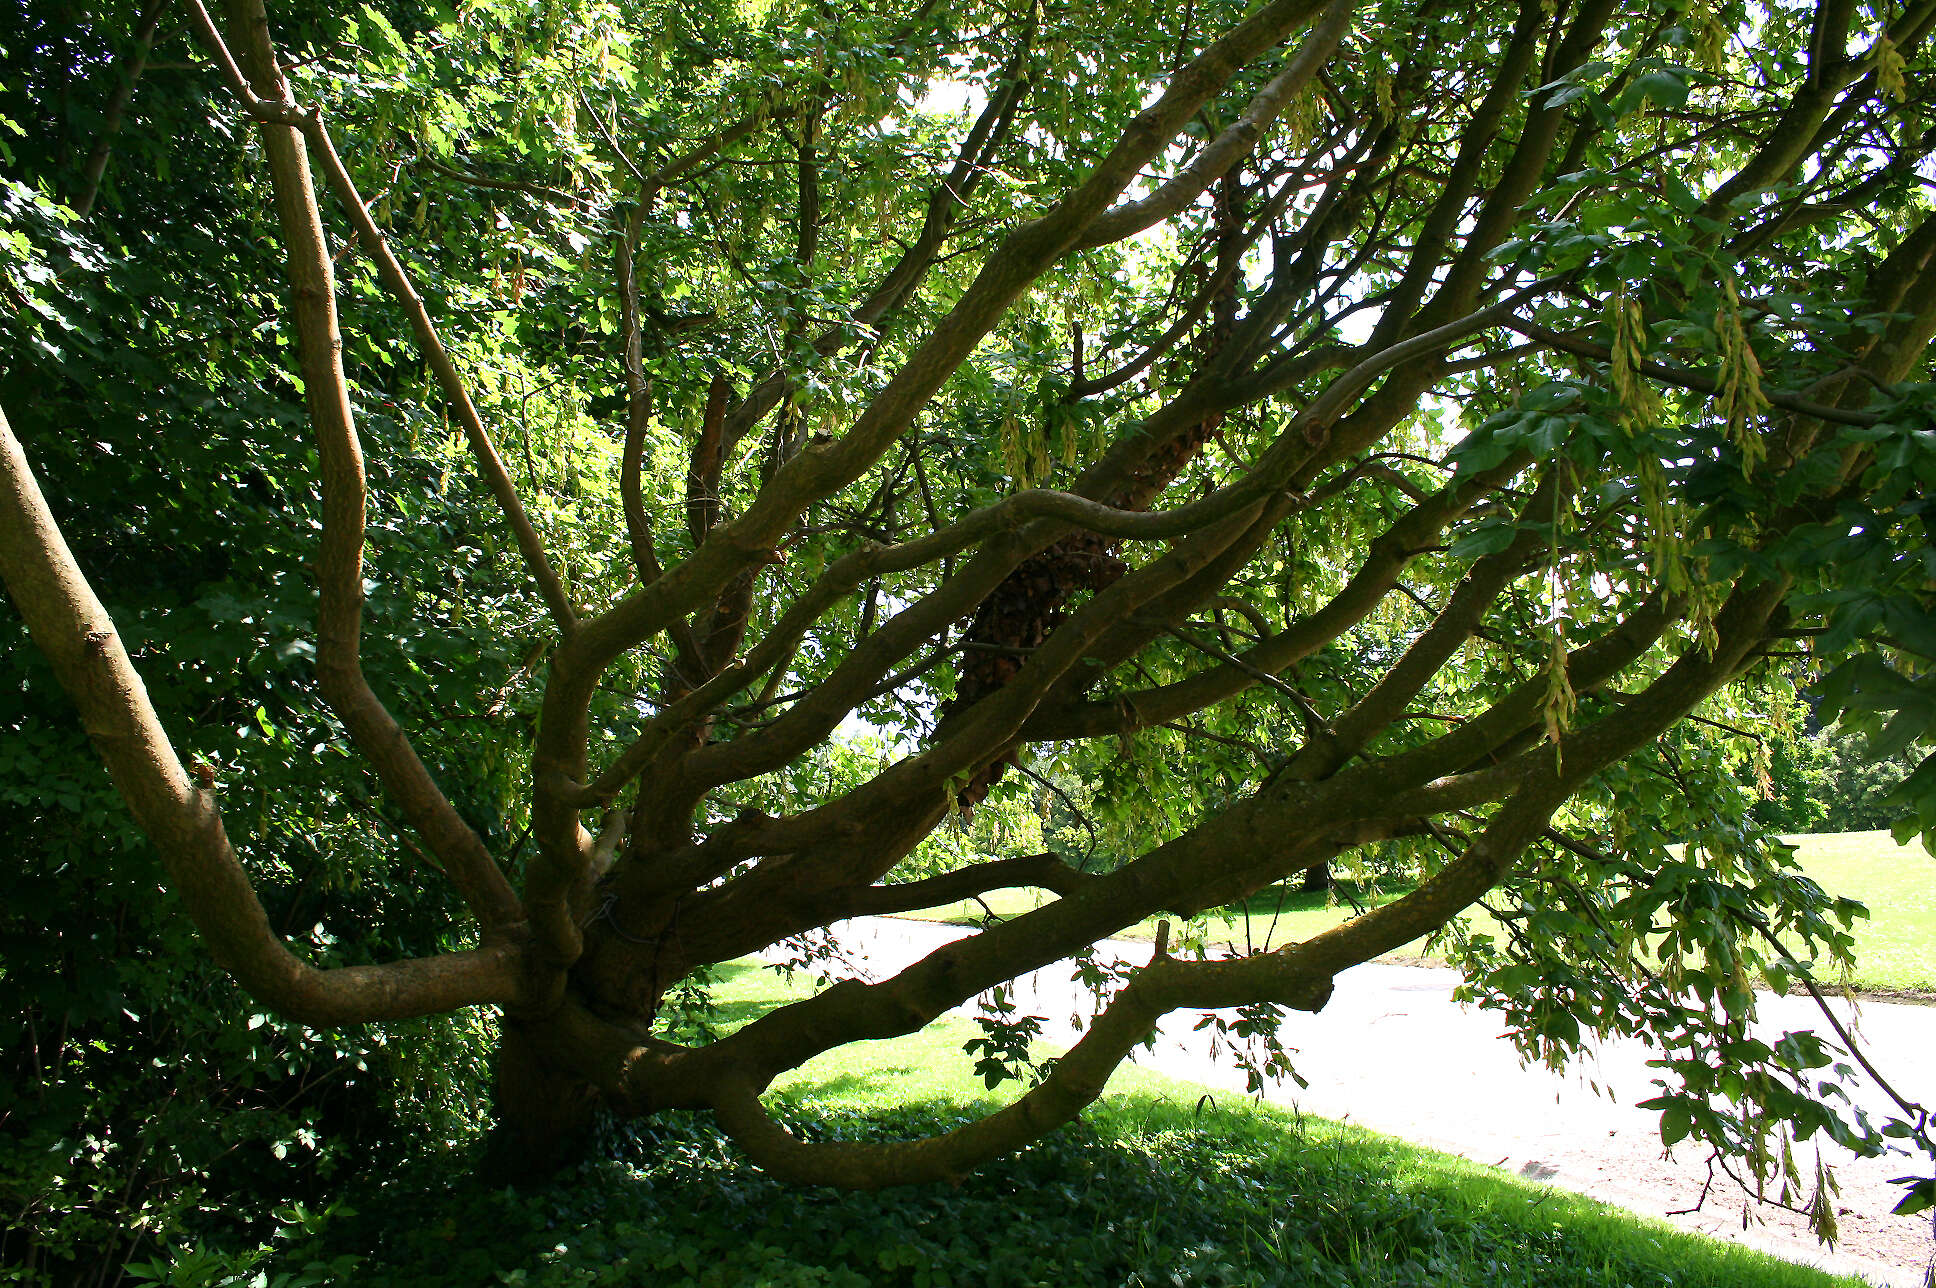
1895,945
1160,1183
1331,1167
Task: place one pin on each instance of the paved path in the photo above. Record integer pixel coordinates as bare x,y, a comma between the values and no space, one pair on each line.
1393,1052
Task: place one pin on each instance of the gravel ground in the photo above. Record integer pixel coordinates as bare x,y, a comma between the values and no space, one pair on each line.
1393,1052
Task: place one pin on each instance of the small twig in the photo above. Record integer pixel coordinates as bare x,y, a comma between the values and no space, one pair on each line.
1313,722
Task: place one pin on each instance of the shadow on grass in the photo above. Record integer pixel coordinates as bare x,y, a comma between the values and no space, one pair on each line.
852,1083
743,991
1150,1187
1287,900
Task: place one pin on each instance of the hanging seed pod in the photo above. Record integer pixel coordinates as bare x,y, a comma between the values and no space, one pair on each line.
1560,702
1301,120
1739,399
1889,69
1011,441
1666,549
1640,402
1710,38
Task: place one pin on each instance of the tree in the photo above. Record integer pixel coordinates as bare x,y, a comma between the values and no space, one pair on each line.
1830,782
1350,426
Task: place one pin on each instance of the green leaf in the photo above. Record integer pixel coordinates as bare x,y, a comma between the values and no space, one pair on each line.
1921,1196
1675,1123
1488,539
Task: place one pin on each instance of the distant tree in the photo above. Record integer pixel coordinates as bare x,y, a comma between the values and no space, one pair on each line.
1311,426
1859,792
1829,782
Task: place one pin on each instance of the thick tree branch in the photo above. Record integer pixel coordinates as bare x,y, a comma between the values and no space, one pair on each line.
1459,621
1079,1075
1037,871
181,816
1235,142
266,98
945,203
1386,558
1023,255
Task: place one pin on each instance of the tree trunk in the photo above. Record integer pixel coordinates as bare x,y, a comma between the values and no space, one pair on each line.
544,1117
1317,878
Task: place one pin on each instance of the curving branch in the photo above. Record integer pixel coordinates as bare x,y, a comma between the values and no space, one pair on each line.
638,422
179,811
1038,871
1226,852
949,198
340,559
550,586
1234,143
1460,620
1298,975
1074,612
1078,1077
267,101
1024,254
1387,557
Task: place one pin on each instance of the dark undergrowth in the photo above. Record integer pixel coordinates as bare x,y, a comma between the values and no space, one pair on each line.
1150,1192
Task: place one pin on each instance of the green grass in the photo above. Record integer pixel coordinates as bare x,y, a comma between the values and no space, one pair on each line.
1895,946
1156,1187
1267,920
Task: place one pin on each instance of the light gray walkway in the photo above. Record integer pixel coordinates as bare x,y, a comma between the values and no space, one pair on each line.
1393,1052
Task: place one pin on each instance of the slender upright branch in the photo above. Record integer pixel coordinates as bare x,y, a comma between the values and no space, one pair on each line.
133,62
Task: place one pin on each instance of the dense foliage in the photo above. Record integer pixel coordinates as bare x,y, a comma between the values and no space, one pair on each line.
687,474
